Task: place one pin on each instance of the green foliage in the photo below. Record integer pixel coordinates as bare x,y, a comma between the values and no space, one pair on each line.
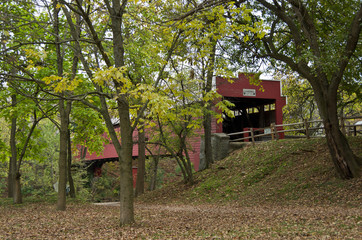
4,140
87,128
38,179
301,104
105,187
150,164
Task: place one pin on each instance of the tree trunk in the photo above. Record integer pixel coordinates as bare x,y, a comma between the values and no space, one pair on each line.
18,199
141,168
126,184
154,172
189,170
304,32
69,168
207,113
10,180
346,163
14,155
64,110
207,131
62,163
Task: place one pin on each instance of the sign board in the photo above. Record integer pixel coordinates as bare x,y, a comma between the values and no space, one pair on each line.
267,130
249,92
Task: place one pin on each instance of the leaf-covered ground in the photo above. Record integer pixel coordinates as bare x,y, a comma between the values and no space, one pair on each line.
277,190
201,221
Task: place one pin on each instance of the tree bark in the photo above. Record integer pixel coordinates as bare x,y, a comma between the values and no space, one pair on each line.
16,159
62,163
69,168
18,198
207,113
14,152
154,172
141,167
10,180
64,111
346,163
126,184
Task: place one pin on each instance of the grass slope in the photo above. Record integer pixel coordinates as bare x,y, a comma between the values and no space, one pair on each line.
285,172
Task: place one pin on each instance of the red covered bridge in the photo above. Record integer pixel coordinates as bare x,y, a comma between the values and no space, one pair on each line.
253,108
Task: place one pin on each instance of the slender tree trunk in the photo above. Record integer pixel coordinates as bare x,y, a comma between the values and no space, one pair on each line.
14,152
188,165
62,163
69,168
141,168
15,174
10,180
207,113
154,173
64,111
77,53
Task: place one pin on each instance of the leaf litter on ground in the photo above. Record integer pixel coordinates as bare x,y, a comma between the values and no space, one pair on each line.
297,196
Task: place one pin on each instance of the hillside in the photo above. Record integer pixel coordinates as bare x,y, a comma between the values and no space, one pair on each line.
285,171
275,190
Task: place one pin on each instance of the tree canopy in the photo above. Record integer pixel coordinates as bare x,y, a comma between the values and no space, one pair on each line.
82,64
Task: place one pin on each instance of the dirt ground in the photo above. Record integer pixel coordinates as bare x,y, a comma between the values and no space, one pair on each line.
181,221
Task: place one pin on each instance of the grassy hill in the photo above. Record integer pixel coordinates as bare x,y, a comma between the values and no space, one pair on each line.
285,171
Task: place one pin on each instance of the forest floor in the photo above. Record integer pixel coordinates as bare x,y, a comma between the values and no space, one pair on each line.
180,221
285,189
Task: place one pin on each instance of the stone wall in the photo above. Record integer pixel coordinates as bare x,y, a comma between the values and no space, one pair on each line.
220,148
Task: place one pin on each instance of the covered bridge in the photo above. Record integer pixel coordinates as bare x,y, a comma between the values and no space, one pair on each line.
254,108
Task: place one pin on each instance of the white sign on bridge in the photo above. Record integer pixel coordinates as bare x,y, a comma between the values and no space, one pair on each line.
249,92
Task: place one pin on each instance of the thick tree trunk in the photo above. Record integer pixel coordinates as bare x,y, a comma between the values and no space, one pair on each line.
126,184
141,168
18,198
346,163
62,163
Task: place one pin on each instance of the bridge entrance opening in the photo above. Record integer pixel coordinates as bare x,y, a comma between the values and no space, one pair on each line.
249,113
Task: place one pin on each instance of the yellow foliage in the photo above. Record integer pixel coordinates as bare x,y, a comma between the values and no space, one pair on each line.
113,74
59,6
60,84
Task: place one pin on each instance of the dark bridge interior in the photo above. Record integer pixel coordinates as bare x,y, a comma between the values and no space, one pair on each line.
249,113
